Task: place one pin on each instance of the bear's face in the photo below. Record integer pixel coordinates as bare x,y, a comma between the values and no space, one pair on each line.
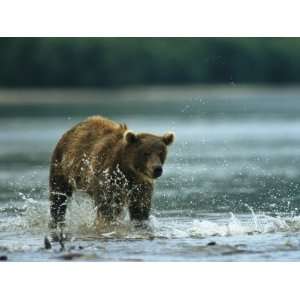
146,153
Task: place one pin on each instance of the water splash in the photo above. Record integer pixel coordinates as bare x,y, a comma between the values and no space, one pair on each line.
33,218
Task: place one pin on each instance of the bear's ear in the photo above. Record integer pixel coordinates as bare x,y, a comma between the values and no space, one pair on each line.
130,137
169,138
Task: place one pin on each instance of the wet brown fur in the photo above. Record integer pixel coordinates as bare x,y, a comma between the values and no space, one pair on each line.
108,162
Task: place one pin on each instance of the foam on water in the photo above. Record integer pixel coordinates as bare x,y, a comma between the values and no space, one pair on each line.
201,228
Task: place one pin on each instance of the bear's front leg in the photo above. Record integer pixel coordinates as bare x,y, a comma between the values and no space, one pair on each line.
109,205
108,212
140,203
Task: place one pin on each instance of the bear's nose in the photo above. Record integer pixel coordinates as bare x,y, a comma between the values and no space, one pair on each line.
157,171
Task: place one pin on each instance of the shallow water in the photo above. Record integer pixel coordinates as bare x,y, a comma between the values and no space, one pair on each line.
230,189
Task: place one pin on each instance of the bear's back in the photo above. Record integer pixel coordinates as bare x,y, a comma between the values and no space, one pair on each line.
88,143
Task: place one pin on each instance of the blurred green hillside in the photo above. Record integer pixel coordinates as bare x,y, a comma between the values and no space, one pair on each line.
113,62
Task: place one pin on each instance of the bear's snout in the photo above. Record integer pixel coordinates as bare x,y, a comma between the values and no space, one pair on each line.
157,172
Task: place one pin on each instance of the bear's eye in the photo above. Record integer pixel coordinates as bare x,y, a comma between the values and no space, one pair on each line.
160,153
147,154
162,156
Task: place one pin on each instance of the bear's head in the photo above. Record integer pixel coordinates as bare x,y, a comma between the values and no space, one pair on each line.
146,153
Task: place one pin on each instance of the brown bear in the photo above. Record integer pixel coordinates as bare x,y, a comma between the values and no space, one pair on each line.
114,165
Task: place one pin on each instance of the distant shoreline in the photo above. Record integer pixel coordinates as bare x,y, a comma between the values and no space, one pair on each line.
15,96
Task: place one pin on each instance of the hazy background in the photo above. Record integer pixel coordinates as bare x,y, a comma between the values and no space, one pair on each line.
115,62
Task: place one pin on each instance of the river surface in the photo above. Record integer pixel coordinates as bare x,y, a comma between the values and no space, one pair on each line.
230,189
